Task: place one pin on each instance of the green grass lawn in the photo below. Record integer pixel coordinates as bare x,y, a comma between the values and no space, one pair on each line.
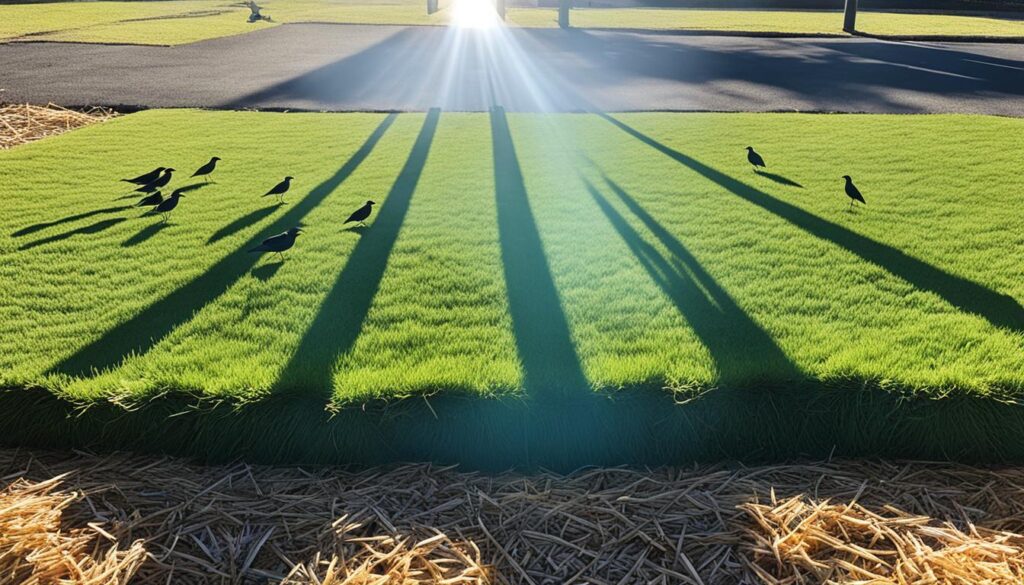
775,21
649,250
174,22
523,256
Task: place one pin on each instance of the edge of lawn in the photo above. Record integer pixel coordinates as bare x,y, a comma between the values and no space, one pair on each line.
41,37
635,426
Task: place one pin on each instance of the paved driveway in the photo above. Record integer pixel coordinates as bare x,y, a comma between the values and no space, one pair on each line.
347,67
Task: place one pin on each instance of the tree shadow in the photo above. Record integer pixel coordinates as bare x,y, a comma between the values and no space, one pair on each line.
742,351
94,228
69,219
343,311
829,74
779,179
139,333
551,366
266,271
999,309
145,234
242,223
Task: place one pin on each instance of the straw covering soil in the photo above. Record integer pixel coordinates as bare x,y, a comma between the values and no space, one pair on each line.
22,123
119,519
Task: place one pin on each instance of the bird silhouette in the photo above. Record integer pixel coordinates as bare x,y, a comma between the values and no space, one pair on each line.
146,178
754,158
151,200
281,188
280,243
362,213
852,192
205,170
167,205
158,183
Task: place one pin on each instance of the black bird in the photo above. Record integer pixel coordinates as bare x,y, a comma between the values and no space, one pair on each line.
362,213
754,158
165,206
151,200
852,192
281,188
205,170
157,183
280,243
146,178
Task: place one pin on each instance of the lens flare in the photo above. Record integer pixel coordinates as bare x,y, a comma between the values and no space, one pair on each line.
476,14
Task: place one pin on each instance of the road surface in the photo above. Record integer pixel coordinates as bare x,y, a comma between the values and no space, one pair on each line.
348,67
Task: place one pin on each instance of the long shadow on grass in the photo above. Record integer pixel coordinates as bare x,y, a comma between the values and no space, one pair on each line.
139,333
744,354
551,366
145,234
93,228
999,309
779,179
344,309
71,218
242,223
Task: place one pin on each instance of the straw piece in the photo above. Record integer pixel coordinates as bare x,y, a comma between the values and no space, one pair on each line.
849,543
23,123
160,520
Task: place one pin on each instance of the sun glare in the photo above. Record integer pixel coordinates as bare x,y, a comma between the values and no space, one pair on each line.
474,14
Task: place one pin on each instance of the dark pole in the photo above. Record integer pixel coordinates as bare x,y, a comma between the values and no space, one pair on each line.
499,5
431,6
850,16
563,13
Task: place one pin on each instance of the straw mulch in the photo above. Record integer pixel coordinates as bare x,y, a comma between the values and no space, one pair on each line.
126,518
24,123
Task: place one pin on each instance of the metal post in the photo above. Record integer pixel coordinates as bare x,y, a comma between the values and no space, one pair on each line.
499,5
563,13
850,16
431,6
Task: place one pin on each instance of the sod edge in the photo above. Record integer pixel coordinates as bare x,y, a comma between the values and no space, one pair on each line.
636,427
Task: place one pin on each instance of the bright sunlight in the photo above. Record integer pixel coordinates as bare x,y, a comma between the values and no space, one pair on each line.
478,14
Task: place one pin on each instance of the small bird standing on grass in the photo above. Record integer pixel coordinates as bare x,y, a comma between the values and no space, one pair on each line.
281,188
205,170
280,243
158,183
754,158
852,192
151,200
167,205
362,213
146,178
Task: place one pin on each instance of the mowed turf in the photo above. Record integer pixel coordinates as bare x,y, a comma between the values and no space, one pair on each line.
516,255
794,22
175,22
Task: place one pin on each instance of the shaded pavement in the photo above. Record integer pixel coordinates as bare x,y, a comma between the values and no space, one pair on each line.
350,67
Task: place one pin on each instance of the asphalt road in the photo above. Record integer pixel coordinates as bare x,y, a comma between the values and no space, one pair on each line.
343,67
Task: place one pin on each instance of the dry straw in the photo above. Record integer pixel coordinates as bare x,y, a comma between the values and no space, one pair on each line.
71,518
24,123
